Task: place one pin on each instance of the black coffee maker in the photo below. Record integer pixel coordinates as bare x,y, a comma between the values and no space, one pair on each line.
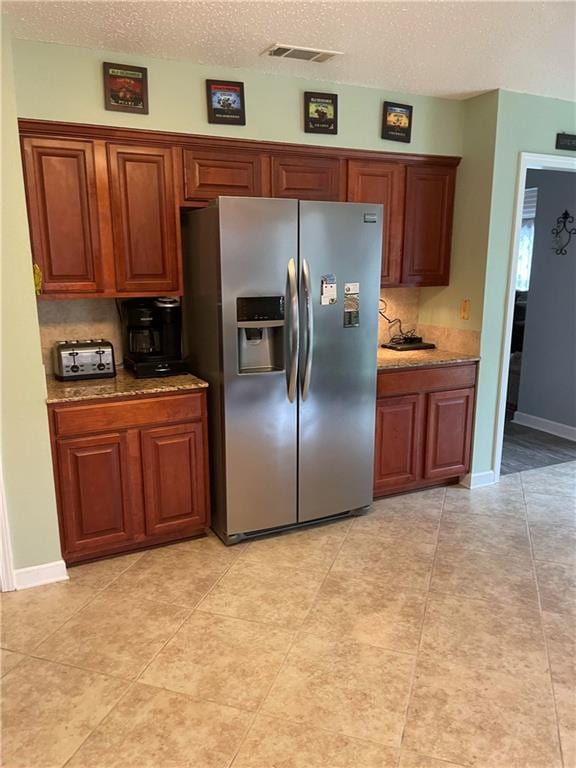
152,337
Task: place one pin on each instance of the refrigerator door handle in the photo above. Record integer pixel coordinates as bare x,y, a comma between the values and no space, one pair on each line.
294,344
307,292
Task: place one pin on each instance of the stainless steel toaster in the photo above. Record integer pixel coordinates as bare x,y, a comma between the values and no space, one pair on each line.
90,359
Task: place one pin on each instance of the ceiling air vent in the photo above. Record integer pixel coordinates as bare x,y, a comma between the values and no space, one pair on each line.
297,52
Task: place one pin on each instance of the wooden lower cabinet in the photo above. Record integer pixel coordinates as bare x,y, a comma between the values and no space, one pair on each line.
398,457
174,487
424,423
97,504
448,433
134,486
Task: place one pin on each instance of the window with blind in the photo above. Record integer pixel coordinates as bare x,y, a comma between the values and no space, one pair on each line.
526,239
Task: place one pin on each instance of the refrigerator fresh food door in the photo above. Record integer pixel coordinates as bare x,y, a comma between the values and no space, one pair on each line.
340,247
259,267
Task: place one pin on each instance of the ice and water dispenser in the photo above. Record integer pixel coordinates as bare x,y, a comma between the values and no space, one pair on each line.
260,327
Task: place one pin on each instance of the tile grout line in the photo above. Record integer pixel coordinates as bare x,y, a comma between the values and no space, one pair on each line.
134,682
88,602
106,716
543,631
282,664
428,597
189,615
131,682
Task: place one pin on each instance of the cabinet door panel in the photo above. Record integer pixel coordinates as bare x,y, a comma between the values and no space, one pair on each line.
63,214
210,173
397,460
428,225
306,178
375,182
96,489
174,479
448,433
144,219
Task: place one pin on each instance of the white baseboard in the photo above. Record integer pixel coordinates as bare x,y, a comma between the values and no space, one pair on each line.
36,575
545,425
479,479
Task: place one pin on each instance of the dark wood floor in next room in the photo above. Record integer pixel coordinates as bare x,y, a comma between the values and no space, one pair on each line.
526,448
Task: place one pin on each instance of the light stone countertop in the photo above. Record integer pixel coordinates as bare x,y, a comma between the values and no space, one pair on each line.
123,385
127,385
420,358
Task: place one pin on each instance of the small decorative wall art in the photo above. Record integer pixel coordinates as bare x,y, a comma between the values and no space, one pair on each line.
397,122
563,233
226,105
320,112
125,88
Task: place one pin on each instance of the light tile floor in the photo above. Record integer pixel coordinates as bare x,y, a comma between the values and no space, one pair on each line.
438,631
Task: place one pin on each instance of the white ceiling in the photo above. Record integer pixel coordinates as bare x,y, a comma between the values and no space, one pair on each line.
451,49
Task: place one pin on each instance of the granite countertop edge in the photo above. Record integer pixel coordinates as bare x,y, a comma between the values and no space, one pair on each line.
123,385
389,359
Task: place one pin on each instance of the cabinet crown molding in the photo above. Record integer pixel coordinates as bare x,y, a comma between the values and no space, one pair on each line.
30,127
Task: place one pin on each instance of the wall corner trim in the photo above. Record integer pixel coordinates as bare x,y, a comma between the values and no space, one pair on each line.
479,479
545,425
37,575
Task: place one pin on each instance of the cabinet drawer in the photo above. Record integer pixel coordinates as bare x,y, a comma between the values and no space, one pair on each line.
308,178
414,380
211,173
99,417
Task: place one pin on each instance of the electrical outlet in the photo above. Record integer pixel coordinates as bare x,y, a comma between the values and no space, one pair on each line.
465,309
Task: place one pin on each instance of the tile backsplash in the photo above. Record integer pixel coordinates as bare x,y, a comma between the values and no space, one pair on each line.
78,319
452,339
98,318
401,303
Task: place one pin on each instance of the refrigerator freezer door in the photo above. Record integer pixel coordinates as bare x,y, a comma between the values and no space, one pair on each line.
258,242
340,244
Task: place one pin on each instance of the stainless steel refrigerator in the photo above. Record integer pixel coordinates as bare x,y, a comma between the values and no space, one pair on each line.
280,316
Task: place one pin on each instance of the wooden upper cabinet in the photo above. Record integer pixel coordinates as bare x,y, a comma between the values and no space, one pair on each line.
307,177
209,173
377,182
428,224
144,220
105,216
60,180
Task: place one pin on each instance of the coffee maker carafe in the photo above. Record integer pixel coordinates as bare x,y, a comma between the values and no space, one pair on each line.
152,333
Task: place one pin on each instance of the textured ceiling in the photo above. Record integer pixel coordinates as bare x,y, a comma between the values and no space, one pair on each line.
452,49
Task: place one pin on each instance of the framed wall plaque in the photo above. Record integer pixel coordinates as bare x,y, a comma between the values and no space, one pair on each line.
125,88
397,122
566,141
226,105
320,112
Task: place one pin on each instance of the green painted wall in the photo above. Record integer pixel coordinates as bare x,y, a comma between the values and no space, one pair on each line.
58,82
441,306
525,124
26,463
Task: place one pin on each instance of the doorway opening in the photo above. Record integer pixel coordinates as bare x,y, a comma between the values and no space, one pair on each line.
537,424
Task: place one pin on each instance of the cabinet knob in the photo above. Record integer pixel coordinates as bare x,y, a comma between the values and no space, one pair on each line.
37,279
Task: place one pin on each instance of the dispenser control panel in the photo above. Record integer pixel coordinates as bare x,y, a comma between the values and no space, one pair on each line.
260,325
259,308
